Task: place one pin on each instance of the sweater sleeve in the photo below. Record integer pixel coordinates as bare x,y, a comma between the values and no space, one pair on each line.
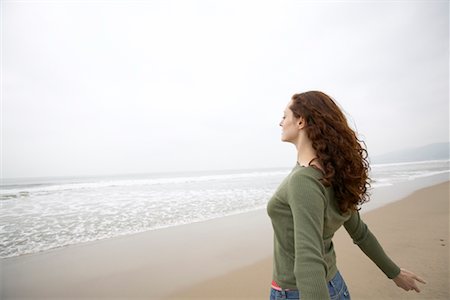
368,243
307,201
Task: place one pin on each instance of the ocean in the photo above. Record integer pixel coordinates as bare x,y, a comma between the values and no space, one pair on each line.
46,213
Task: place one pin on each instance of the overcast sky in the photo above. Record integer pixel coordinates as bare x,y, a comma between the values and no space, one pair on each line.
113,87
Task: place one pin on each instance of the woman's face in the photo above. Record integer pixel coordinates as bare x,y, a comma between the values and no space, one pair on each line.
289,125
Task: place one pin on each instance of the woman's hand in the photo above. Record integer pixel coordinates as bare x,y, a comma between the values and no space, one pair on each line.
407,280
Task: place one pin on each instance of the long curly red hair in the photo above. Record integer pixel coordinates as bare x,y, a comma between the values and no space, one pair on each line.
343,156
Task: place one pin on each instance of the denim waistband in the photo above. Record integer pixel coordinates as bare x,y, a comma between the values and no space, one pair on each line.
336,287
285,294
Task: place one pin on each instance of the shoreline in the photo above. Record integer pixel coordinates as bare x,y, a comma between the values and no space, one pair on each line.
380,196
170,263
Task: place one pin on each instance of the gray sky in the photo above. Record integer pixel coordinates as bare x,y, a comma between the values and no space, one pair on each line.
111,87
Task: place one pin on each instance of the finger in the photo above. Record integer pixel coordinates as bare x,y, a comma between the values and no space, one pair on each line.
419,279
415,287
406,287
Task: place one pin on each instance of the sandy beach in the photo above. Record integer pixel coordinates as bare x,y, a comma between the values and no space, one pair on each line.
230,258
413,231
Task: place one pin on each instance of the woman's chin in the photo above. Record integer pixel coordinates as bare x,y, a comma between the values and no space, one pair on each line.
285,140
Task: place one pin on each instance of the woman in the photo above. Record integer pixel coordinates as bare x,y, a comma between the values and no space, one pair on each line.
322,192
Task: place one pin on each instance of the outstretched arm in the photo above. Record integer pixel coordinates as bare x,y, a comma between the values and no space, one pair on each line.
362,236
369,244
407,280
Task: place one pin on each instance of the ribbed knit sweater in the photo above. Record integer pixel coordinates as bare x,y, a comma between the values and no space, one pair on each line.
305,216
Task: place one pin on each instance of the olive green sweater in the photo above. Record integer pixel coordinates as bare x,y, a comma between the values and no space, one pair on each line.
305,217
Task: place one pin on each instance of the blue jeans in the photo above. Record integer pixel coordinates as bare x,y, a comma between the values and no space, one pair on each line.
336,287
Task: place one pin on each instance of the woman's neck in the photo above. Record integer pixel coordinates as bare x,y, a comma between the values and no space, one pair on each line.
305,155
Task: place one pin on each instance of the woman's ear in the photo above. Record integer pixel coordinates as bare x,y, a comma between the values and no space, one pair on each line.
301,123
